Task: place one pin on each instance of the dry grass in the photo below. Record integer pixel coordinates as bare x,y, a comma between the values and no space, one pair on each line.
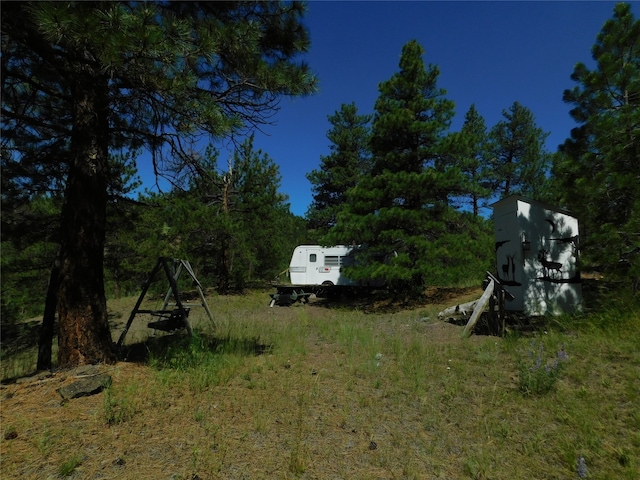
322,391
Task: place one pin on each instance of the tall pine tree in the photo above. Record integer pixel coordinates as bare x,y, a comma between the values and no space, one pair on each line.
400,212
519,162
81,78
339,171
599,169
469,150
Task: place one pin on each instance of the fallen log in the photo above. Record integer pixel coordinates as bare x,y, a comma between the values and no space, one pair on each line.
458,311
479,308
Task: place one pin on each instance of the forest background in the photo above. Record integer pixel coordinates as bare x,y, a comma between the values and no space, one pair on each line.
395,179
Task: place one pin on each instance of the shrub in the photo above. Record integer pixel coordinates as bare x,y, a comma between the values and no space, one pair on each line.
538,374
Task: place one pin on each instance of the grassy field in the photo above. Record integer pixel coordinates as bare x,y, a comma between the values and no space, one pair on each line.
339,391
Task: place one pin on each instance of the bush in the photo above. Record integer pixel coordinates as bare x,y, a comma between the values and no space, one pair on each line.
537,375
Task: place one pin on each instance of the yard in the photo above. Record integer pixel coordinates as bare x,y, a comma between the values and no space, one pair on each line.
339,391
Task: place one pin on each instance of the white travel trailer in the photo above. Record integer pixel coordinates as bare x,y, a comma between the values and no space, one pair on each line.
537,256
317,270
318,265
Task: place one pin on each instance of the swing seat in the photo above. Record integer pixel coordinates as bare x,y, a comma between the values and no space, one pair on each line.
176,321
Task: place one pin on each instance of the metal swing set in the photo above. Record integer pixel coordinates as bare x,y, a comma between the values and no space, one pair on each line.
168,320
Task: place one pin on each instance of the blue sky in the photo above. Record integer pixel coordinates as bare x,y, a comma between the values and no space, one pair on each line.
488,53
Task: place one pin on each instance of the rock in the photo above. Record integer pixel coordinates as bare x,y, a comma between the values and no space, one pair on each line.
85,370
85,386
37,377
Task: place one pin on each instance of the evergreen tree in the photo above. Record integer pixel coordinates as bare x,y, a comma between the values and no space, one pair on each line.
81,78
339,171
599,169
122,218
519,163
468,149
257,209
29,246
232,222
400,211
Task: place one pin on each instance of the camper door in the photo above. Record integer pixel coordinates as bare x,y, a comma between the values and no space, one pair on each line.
314,260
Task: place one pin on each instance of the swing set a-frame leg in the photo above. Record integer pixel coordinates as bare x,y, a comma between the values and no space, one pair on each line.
138,303
174,288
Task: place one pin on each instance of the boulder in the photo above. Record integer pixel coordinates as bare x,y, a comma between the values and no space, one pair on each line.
85,386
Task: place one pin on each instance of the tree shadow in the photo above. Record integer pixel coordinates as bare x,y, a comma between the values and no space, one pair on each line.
166,347
518,323
18,337
384,301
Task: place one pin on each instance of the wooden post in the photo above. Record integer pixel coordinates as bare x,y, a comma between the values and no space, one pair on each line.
501,314
493,321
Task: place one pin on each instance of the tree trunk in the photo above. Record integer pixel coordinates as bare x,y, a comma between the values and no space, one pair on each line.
48,319
224,274
224,270
83,334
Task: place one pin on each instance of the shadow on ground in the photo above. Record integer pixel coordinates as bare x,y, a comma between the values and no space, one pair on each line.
168,347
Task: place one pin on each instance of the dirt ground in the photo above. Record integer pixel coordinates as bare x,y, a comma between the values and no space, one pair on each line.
314,415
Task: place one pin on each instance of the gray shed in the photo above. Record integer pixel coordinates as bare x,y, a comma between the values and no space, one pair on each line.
537,256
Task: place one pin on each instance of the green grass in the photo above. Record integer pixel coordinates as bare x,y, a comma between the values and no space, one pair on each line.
68,467
306,391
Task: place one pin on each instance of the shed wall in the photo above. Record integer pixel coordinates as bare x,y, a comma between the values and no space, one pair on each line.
537,257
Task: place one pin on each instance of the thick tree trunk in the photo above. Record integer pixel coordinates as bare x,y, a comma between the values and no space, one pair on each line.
83,334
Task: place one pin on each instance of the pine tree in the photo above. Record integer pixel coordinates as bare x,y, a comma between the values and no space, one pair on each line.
257,209
401,210
339,171
519,161
468,149
599,166
231,221
81,78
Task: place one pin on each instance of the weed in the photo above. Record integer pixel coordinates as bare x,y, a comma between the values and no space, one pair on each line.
67,468
118,408
46,442
198,415
478,465
195,458
299,452
297,464
537,374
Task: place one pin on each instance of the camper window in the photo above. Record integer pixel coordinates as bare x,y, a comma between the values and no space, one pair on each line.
331,261
312,257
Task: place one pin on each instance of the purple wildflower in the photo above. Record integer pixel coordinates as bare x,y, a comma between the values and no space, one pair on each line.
582,467
551,366
538,362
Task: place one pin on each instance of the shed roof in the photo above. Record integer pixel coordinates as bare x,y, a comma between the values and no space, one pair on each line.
547,206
